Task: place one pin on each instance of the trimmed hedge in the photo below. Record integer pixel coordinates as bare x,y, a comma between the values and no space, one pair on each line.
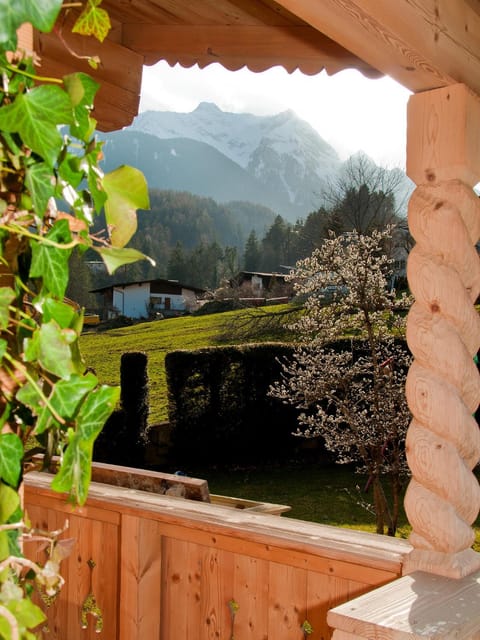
219,408
123,438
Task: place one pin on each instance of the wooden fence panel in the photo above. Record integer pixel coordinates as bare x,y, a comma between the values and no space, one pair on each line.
250,593
97,539
287,601
140,584
167,568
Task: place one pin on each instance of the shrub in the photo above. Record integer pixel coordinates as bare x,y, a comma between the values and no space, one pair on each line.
219,407
123,438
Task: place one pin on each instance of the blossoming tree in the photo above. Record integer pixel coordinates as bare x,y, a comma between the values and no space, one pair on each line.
353,396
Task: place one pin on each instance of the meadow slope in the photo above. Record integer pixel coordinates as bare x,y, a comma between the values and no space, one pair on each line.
102,350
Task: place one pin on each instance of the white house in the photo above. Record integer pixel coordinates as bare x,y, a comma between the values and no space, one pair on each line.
147,298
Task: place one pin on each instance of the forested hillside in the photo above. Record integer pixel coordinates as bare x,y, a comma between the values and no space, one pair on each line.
200,242
192,239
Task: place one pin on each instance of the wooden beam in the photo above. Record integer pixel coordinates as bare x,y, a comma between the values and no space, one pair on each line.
258,47
423,44
119,73
444,136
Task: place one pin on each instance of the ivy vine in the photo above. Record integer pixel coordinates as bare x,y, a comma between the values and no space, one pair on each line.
52,187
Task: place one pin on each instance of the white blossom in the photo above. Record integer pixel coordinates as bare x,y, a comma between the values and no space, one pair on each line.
353,399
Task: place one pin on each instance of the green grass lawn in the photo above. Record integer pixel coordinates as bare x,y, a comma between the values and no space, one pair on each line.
102,350
328,494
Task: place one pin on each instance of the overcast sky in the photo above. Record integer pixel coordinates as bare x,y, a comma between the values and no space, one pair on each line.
349,111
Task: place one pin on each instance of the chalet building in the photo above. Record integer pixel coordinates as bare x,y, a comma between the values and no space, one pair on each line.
259,282
148,298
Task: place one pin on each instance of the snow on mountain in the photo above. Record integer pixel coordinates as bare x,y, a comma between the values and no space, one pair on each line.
280,151
279,160
235,135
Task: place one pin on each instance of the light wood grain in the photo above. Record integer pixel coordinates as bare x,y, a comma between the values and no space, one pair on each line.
443,136
443,329
25,37
346,550
251,593
140,570
287,598
205,44
417,606
169,566
94,539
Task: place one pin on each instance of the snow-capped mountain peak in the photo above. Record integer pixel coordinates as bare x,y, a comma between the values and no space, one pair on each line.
281,148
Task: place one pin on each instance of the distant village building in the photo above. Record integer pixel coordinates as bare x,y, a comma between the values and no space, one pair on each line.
259,282
148,299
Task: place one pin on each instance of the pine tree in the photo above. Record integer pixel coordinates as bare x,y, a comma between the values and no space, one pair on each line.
251,255
177,268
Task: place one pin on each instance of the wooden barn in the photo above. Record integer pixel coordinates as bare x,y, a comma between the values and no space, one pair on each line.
167,567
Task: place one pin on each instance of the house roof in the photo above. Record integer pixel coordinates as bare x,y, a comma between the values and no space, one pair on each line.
261,274
414,42
159,281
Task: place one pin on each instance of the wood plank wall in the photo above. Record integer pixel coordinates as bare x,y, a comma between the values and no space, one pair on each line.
166,568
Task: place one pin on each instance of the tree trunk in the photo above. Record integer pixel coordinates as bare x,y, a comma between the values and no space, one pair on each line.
382,513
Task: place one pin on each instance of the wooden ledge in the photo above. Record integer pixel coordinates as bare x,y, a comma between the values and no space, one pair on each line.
421,605
349,548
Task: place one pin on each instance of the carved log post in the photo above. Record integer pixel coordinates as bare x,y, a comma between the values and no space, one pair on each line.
443,330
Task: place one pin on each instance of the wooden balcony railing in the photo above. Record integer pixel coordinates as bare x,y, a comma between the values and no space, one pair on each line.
166,568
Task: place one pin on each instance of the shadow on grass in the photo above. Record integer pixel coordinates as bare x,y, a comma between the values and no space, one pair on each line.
324,493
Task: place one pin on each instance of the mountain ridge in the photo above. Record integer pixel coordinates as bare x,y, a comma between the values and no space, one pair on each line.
278,161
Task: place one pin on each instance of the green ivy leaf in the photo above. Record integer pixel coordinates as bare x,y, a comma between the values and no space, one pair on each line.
65,399
3,347
4,553
54,349
9,502
11,456
64,314
78,362
7,296
82,89
51,347
95,175
35,116
28,395
13,13
127,191
95,186
10,511
95,410
41,184
51,263
69,170
114,258
75,472
93,21
28,615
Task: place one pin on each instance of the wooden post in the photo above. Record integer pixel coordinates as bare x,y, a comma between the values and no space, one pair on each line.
25,37
443,330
